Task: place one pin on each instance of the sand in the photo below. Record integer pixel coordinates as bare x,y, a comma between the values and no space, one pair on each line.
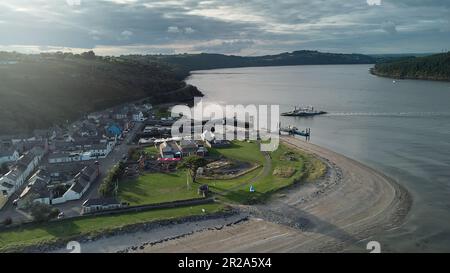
341,212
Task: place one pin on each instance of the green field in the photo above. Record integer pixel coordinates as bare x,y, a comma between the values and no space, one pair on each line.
241,150
65,230
161,187
303,167
151,150
166,187
157,188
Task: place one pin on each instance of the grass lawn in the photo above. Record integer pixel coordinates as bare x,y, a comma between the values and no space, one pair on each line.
241,150
151,150
49,232
288,166
166,187
300,167
227,184
157,188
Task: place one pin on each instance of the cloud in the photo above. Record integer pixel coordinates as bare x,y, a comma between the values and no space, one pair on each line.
173,29
189,30
95,34
251,27
126,35
226,47
389,27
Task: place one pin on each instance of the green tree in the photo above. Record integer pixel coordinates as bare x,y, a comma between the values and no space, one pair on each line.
192,163
108,187
43,212
88,55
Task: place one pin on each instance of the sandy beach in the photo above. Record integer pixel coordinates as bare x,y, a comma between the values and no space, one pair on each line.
341,212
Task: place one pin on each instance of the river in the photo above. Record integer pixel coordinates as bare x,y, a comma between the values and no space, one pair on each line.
401,128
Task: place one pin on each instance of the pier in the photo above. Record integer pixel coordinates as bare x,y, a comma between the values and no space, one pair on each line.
292,131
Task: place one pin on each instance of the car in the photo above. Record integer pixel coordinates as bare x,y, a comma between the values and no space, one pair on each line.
61,215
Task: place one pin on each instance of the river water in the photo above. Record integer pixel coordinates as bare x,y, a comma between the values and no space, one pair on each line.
401,128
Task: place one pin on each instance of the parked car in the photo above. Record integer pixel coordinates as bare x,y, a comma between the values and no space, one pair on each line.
61,215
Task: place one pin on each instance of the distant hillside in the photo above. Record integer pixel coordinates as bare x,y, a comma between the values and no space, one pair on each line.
37,91
184,63
434,67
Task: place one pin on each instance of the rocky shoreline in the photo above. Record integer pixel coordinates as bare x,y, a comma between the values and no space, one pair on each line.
350,204
340,213
60,245
375,72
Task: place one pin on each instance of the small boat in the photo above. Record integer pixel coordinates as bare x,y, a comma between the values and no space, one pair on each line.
303,112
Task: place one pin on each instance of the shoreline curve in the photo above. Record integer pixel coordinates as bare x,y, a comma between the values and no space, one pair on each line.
340,213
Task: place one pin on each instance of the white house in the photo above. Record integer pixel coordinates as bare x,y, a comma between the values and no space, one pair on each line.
15,178
75,192
64,157
138,117
81,183
9,182
86,152
147,106
40,189
100,150
37,189
95,116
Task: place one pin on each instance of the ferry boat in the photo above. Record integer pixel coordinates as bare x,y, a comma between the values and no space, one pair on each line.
303,112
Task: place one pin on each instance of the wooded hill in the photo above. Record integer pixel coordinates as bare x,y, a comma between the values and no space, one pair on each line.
434,67
37,91
184,63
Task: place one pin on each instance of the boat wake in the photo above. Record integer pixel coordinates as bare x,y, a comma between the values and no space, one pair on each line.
392,114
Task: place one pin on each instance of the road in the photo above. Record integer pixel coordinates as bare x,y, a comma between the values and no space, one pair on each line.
73,208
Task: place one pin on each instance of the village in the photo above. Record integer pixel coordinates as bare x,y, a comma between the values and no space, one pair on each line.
63,166
122,166
65,163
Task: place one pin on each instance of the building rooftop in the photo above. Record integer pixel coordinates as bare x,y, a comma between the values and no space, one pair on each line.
6,151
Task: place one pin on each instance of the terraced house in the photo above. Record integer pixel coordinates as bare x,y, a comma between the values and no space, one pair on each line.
20,171
8,155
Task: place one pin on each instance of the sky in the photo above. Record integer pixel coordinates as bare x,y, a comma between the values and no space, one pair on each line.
247,28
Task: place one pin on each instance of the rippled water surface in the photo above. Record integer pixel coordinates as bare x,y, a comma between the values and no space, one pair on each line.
401,128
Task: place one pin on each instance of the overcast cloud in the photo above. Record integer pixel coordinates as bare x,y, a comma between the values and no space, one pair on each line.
114,27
